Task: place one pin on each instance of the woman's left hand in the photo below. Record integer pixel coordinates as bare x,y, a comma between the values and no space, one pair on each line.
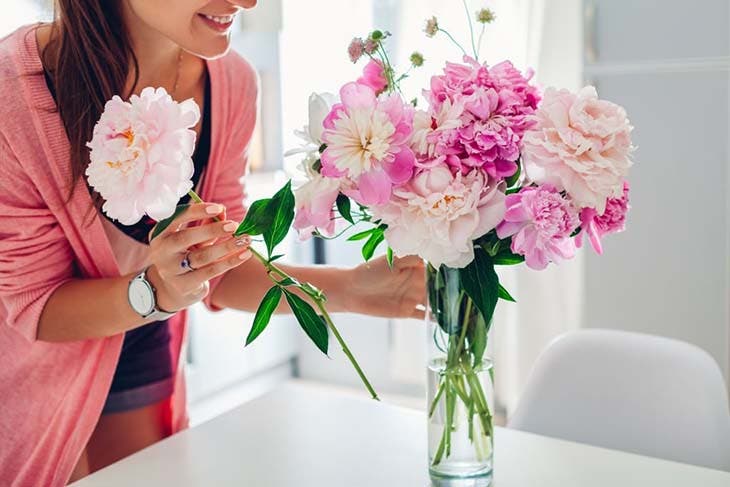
376,289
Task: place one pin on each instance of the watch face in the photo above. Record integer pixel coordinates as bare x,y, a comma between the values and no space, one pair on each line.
141,297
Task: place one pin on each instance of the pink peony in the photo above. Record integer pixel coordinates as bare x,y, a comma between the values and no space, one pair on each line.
373,75
613,220
368,142
540,221
581,145
496,104
141,155
439,214
314,205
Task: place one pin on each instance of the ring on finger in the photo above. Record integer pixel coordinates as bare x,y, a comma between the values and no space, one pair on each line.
185,263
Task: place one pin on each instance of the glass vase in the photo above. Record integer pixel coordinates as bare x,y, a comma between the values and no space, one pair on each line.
460,387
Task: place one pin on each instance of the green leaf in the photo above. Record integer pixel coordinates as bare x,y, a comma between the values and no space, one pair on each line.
361,235
512,190
389,257
512,180
508,259
343,206
478,340
276,257
263,314
257,220
281,208
481,284
163,224
287,281
309,320
504,294
369,248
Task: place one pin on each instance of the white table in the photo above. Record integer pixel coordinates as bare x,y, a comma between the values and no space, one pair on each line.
307,436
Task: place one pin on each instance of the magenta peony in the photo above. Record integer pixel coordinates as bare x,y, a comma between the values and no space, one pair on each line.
368,143
580,144
141,155
495,103
540,221
438,215
613,220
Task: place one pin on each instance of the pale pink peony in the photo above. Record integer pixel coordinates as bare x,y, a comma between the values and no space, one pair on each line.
613,220
540,221
581,144
368,143
373,75
315,200
141,155
495,108
439,214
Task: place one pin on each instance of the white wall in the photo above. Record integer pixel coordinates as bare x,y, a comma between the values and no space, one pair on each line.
668,63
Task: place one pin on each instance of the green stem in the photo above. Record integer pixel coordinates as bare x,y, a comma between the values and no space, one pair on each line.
453,40
345,348
464,326
318,298
471,29
436,398
479,43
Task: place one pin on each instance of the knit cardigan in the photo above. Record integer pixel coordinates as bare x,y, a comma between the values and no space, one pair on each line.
52,394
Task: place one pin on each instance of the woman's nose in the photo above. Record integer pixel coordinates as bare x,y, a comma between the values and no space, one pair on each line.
243,3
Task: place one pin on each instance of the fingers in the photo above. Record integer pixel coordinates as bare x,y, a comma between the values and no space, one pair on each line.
204,256
408,261
195,212
192,280
418,313
180,241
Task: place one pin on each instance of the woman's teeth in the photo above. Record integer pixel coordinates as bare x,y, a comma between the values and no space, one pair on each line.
226,19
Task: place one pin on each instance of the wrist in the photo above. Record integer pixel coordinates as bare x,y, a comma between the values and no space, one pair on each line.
162,302
348,298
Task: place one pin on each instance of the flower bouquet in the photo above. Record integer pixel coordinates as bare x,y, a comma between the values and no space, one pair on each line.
491,172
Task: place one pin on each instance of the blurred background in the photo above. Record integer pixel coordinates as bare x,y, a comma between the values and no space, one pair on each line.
666,61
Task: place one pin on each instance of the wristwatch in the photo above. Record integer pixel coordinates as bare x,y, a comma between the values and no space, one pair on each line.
142,298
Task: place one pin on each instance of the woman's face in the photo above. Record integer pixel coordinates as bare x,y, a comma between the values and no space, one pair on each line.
202,27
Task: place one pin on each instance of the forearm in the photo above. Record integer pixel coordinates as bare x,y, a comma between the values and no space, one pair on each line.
243,287
88,308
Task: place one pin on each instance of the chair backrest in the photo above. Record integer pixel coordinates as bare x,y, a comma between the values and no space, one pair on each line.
627,391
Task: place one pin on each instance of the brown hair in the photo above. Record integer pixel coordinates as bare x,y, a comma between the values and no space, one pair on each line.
88,59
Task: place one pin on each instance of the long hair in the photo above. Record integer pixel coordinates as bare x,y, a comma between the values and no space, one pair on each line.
88,58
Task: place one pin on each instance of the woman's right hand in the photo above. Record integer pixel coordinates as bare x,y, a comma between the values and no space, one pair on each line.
211,251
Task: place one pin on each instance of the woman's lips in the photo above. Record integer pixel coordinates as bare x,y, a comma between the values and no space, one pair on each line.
219,23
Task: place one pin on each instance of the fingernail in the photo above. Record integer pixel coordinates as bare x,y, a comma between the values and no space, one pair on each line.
243,241
213,209
229,227
245,255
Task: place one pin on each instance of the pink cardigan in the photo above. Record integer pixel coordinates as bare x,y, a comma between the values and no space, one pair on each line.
51,394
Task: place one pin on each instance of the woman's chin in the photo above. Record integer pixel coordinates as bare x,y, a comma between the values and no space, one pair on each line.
209,50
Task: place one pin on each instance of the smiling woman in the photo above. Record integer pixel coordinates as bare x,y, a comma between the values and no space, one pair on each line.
93,314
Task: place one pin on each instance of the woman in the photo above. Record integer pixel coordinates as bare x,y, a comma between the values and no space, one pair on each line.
89,347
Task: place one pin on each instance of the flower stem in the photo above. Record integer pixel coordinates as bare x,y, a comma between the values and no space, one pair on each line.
471,29
453,40
316,296
320,305
479,43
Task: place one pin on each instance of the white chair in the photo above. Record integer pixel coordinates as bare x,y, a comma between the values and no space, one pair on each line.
638,393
